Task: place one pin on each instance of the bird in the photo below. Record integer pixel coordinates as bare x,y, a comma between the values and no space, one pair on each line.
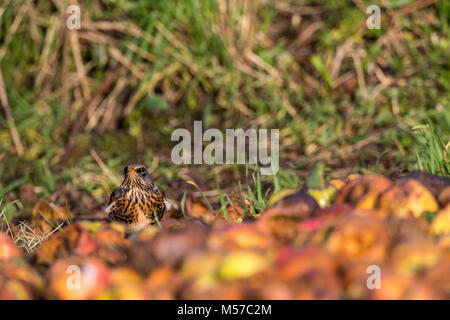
137,202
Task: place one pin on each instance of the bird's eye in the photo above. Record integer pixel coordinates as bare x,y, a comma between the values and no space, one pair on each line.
141,171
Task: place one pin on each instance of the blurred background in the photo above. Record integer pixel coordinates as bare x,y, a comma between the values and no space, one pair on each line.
77,105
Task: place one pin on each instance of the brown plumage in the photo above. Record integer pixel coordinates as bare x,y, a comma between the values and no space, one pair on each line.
137,201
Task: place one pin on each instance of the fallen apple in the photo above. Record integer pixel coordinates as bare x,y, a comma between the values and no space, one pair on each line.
406,198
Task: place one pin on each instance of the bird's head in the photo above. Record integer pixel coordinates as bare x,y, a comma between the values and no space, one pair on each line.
137,174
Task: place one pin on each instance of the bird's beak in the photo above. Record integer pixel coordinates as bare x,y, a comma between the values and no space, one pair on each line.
131,171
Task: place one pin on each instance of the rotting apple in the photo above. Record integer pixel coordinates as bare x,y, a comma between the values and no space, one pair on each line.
358,237
310,272
281,220
363,192
124,284
20,281
441,222
407,197
8,248
76,278
242,264
414,256
239,236
444,196
171,246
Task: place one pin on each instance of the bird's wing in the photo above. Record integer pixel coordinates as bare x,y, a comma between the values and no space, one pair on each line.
114,195
112,200
156,189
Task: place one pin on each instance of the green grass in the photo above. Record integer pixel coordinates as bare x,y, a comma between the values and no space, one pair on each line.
433,152
250,196
4,219
239,65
